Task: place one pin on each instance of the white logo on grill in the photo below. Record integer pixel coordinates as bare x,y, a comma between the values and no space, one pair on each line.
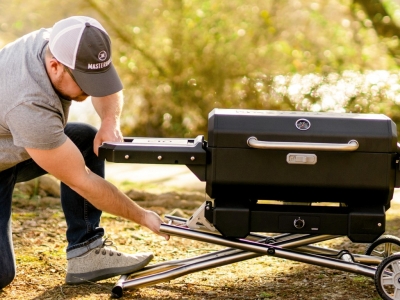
303,124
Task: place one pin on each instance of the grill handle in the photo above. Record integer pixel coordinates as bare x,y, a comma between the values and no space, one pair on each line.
252,142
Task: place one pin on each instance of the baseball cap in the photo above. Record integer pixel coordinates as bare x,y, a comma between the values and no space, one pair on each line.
83,45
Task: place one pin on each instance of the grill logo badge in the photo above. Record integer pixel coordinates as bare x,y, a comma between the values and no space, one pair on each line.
303,124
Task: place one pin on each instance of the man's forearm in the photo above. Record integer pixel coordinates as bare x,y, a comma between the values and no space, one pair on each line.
92,187
106,197
109,108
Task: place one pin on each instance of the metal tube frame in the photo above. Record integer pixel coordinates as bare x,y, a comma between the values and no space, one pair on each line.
295,247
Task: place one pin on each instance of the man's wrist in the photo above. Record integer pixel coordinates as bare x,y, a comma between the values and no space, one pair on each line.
111,121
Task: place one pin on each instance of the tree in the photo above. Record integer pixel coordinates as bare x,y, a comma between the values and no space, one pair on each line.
179,59
183,58
378,17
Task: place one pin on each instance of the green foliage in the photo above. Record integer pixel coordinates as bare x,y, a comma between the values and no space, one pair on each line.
179,59
266,295
198,55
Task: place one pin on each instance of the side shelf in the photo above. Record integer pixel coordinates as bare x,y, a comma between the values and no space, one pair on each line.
189,152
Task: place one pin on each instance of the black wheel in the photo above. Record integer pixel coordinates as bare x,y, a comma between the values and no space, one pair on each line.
387,278
384,246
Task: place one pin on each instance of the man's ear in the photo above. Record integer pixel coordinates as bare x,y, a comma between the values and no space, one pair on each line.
54,68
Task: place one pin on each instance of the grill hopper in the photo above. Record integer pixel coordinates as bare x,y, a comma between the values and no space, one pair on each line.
347,160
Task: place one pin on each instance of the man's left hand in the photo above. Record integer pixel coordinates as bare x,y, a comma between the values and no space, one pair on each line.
107,133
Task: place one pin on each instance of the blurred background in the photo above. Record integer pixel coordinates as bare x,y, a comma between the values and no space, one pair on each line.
179,59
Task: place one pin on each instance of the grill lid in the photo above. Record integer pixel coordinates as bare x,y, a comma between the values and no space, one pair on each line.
232,128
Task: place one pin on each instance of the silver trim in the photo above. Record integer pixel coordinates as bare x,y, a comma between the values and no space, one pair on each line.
301,159
252,142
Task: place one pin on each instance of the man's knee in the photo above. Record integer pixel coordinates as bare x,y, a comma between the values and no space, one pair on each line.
87,130
80,126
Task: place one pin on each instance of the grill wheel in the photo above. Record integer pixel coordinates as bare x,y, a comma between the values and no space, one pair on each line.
387,278
384,246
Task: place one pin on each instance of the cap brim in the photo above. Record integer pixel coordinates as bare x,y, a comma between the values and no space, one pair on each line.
99,84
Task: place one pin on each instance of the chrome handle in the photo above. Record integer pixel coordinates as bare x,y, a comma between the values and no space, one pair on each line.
252,142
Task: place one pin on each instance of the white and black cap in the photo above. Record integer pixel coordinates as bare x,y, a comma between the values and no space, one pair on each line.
83,45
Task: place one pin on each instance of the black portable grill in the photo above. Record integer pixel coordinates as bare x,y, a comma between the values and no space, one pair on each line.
313,175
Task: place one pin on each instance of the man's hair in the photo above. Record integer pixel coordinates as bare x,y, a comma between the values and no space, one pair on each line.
49,54
48,51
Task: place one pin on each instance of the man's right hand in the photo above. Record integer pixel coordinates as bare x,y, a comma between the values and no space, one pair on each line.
153,222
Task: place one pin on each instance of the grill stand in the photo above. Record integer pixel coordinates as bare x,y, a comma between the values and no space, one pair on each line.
296,247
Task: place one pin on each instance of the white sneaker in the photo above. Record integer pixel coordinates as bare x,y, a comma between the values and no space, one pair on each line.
104,262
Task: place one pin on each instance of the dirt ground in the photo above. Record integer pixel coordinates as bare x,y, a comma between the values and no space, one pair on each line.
39,240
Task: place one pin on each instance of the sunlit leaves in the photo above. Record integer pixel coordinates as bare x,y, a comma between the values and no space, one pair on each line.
179,59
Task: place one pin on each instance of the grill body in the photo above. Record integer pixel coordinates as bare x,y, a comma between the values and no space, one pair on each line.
363,176
285,172
303,159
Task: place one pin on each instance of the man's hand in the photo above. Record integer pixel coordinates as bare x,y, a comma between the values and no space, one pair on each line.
109,110
106,133
153,222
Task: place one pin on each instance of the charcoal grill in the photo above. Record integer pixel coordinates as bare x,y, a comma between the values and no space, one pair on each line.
305,177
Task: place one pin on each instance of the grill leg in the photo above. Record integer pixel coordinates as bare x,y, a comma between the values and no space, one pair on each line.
173,269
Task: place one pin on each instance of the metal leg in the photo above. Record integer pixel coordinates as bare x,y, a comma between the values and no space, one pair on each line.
239,250
271,250
212,261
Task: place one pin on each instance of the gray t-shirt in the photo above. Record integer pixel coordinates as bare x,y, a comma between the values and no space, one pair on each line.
32,115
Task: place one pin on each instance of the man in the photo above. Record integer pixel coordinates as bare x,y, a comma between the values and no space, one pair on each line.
40,74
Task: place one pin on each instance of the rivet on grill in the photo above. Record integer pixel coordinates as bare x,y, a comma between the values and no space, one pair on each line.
127,156
192,158
159,157
379,224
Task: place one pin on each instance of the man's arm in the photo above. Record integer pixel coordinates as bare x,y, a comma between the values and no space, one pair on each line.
109,110
67,164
